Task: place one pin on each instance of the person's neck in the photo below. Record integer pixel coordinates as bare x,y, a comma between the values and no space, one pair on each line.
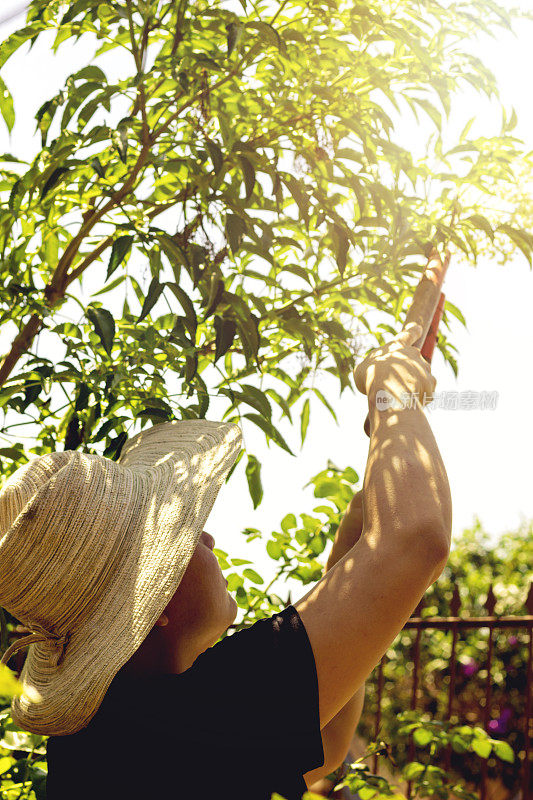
155,656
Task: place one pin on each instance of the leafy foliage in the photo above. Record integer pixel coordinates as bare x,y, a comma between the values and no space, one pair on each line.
245,185
474,564
23,766
22,763
427,779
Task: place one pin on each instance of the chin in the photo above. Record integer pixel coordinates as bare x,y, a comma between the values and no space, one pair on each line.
233,609
224,619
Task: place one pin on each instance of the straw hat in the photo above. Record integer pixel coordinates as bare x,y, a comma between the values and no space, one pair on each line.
91,552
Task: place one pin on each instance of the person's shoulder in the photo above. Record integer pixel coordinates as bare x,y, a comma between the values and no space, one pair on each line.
232,661
266,630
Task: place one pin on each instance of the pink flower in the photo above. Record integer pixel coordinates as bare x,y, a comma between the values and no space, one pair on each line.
470,667
501,724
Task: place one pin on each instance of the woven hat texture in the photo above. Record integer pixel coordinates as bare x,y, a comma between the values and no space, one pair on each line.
91,552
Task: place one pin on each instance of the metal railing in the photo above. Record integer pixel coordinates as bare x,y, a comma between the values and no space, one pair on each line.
455,624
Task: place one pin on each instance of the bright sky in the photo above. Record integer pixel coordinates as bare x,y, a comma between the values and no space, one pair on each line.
487,453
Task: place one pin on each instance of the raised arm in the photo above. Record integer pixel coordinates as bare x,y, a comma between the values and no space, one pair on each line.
358,608
337,735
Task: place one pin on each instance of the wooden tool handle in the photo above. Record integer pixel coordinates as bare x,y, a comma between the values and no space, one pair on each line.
426,308
427,295
428,347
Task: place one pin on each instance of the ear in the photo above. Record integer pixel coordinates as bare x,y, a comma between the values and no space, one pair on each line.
162,621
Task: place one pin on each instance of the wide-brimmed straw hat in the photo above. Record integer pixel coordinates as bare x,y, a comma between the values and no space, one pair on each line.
91,552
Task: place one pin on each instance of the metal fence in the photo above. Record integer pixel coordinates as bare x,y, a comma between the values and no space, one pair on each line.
455,624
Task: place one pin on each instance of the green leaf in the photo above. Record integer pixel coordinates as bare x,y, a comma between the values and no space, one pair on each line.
91,73
253,476
104,326
413,770
267,33
252,575
76,8
248,172
119,251
9,685
326,488
458,745
325,403
15,196
191,367
13,42
155,414
235,230
249,336
274,549
482,747
256,398
53,180
187,306
431,111
154,292
215,295
520,238
97,166
504,751
304,419
481,223
299,195
342,245
73,436
6,763
268,428
234,32
114,448
104,429
225,330
111,286
206,62
183,80
422,737
11,452
217,156
457,313
7,108
288,523
120,141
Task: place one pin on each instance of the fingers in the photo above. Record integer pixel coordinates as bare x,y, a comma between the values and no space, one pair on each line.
427,394
409,335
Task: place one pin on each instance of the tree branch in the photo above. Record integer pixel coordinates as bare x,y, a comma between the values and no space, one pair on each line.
60,277
55,290
72,276
20,346
138,57
195,97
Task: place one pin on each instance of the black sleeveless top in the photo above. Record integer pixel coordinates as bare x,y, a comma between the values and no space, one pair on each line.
242,722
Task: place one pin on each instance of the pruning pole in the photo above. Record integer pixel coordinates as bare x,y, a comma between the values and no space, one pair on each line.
427,308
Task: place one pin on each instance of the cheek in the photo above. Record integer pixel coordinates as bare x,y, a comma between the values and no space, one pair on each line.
205,577
213,578
202,598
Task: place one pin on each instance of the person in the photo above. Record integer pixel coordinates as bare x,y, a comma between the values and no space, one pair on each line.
109,567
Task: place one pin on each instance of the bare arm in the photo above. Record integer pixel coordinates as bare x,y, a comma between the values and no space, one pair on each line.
358,608
338,733
337,737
